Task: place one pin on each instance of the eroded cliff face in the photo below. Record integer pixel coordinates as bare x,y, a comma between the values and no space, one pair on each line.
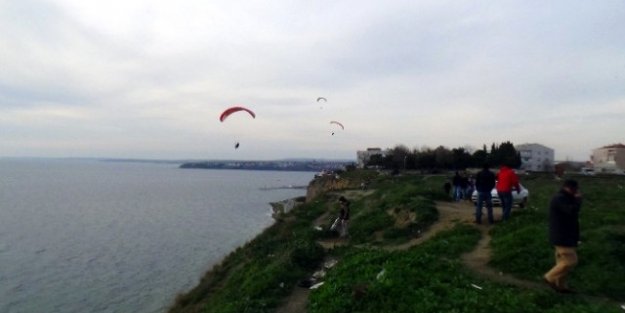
324,184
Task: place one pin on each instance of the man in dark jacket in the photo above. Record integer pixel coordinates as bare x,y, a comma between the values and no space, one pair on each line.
564,234
457,182
344,216
484,184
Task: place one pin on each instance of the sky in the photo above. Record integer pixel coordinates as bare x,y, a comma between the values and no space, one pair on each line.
149,79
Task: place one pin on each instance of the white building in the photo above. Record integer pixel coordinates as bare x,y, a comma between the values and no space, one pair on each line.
536,157
609,159
364,156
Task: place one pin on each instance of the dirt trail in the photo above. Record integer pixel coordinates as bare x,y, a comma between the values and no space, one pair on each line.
298,299
450,214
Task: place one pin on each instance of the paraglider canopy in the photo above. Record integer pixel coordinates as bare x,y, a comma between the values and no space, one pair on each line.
338,123
231,110
322,98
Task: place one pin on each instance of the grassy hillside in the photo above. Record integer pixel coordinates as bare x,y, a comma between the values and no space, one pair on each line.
426,278
521,246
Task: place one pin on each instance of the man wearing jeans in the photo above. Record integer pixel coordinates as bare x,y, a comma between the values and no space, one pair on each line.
484,184
506,181
564,234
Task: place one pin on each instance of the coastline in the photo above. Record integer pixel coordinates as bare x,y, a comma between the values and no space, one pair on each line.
278,209
271,262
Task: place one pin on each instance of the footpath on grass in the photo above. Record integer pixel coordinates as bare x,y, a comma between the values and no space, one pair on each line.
409,250
450,215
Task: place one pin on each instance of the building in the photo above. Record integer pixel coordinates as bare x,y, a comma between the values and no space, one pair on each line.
536,157
364,156
609,159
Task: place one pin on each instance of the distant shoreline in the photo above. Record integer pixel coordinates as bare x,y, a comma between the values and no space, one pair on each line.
292,166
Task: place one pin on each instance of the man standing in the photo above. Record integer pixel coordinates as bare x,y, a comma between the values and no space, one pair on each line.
506,181
344,216
484,184
564,234
457,182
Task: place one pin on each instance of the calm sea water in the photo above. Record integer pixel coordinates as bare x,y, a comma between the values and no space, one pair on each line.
88,236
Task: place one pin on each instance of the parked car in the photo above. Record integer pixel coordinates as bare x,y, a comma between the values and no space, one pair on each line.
518,198
587,171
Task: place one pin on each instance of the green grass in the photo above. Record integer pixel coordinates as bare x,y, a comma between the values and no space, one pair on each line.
256,277
370,215
427,278
521,247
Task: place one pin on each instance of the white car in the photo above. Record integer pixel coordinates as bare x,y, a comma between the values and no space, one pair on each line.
519,198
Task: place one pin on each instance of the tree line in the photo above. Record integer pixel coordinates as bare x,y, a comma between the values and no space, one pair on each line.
443,158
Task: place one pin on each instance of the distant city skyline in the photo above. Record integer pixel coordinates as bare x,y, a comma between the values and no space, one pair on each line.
148,79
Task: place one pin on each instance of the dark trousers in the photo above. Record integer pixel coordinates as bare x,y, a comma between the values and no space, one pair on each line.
484,197
506,204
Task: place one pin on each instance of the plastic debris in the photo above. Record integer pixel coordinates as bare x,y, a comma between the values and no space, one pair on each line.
623,306
281,285
330,264
476,286
317,285
318,228
319,274
380,275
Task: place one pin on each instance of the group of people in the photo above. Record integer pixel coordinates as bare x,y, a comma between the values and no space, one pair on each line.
484,182
563,218
505,182
463,186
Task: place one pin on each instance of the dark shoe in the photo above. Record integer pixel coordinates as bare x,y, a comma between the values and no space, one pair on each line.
552,285
567,291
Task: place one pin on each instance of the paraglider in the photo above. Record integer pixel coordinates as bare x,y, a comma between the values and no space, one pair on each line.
324,100
224,115
337,123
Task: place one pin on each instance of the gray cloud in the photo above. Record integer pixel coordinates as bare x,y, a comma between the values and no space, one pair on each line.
419,73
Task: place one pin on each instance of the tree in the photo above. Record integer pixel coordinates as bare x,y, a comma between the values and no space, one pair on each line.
444,158
480,157
400,156
426,159
461,159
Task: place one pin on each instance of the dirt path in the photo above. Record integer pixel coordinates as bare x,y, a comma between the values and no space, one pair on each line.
298,299
450,214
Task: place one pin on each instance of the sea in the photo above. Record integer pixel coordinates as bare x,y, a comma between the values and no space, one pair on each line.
98,236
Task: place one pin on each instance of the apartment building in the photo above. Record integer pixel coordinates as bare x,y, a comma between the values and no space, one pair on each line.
536,157
609,159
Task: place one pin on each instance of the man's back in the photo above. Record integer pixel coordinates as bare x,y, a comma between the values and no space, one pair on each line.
485,181
507,179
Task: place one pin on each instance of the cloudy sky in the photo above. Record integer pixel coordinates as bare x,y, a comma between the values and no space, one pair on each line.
149,79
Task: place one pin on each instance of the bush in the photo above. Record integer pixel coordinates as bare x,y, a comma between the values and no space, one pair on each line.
307,254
